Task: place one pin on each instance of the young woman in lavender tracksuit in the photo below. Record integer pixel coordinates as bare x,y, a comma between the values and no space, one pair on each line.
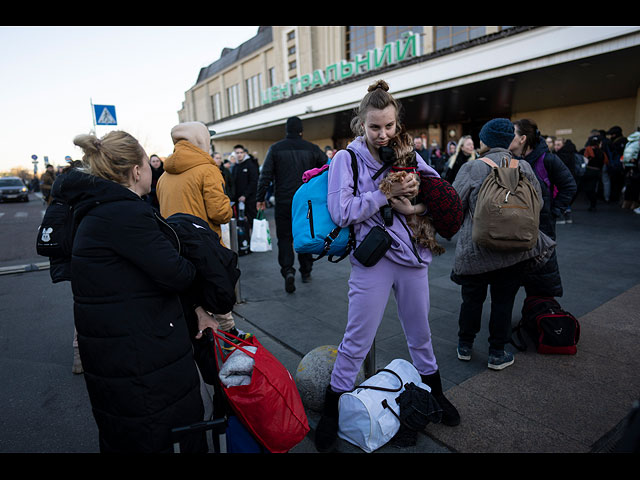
403,268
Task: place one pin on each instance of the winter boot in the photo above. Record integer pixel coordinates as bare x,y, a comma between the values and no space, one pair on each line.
450,415
327,429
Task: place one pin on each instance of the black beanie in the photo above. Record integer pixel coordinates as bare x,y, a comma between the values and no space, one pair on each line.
498,132
294,125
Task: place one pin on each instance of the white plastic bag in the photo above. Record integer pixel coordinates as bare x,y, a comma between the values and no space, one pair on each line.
226,238
260,236
364,420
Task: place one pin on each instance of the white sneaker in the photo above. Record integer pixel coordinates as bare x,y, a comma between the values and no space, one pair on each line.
636,210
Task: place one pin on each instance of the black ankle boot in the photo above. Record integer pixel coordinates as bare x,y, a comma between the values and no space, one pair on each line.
450,415
327,429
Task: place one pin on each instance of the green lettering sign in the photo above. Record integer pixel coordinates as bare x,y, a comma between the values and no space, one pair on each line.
406,47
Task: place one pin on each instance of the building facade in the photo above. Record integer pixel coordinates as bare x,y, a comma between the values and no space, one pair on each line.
450,80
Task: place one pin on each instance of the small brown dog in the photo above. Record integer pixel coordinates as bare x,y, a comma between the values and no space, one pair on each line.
406,164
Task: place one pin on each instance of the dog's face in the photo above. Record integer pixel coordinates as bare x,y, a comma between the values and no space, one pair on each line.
403,147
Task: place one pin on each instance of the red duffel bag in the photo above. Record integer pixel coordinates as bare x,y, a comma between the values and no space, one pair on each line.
269,406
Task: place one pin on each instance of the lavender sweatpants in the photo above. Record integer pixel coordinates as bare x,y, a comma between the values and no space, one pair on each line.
369,289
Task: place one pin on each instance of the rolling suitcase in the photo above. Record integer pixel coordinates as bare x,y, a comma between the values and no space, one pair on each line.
216,426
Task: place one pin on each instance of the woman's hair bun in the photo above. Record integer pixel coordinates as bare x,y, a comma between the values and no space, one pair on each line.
379,84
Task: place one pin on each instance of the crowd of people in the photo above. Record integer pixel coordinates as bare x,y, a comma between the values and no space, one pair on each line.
136,319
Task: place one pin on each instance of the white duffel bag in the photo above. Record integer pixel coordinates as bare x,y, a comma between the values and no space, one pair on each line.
365,417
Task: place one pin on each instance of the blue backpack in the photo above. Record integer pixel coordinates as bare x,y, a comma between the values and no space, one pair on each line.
313,229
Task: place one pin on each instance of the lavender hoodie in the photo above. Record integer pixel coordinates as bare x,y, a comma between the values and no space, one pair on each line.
362,210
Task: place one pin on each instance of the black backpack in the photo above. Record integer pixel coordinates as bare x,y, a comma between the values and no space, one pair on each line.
216,266
55,239
551,329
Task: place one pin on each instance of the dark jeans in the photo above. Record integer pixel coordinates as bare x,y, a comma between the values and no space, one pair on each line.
286,255
590,181
632,184
504,285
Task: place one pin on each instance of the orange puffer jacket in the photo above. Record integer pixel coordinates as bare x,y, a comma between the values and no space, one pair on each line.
192,183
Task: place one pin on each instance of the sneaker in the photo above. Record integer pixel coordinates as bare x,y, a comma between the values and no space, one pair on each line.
499,359
567,217
306,278
238,333
464,352
561,220
636,210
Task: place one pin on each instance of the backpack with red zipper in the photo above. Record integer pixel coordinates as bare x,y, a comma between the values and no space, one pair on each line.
552,329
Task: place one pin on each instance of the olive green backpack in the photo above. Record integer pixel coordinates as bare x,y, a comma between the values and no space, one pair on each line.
507,212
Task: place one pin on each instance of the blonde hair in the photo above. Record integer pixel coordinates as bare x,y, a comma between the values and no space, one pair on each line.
453,158
377,97
111,157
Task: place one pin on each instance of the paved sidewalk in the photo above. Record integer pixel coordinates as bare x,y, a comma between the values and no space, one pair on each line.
560,404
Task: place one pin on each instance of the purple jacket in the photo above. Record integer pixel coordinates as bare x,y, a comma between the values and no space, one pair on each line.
362,210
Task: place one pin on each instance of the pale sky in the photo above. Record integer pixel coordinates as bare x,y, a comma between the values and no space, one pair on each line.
50,75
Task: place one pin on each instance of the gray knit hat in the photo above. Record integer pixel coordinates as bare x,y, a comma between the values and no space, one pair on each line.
498,132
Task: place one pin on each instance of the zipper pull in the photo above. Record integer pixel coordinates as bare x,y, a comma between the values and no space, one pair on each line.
309,209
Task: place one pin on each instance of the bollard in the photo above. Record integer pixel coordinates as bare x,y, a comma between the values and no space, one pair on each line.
233,238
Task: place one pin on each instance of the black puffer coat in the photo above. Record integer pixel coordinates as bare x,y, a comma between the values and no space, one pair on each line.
560,177
547,281
285,163
135,349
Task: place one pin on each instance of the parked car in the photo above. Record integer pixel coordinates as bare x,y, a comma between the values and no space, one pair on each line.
13,188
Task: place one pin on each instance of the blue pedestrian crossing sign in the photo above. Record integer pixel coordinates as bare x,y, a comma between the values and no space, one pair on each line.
105,114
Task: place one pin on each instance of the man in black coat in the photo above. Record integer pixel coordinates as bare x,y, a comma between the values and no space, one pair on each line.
285,163
245,182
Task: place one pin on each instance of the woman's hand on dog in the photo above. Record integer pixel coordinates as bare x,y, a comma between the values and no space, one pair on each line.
404,206
408,187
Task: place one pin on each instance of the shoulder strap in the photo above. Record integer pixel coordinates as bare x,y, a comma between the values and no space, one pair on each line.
354,167
512,164
334,233
382,389
352,234
383,168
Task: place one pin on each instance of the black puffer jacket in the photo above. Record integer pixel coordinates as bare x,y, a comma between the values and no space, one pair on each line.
285,162
567,154
216,266
133,340
560,177
547,281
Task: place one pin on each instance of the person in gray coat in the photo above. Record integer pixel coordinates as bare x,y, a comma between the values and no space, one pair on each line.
477,269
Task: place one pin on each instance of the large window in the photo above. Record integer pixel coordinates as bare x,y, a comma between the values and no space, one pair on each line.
449,36
359,41
233,99
216,106
271,74
253,91
391,34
